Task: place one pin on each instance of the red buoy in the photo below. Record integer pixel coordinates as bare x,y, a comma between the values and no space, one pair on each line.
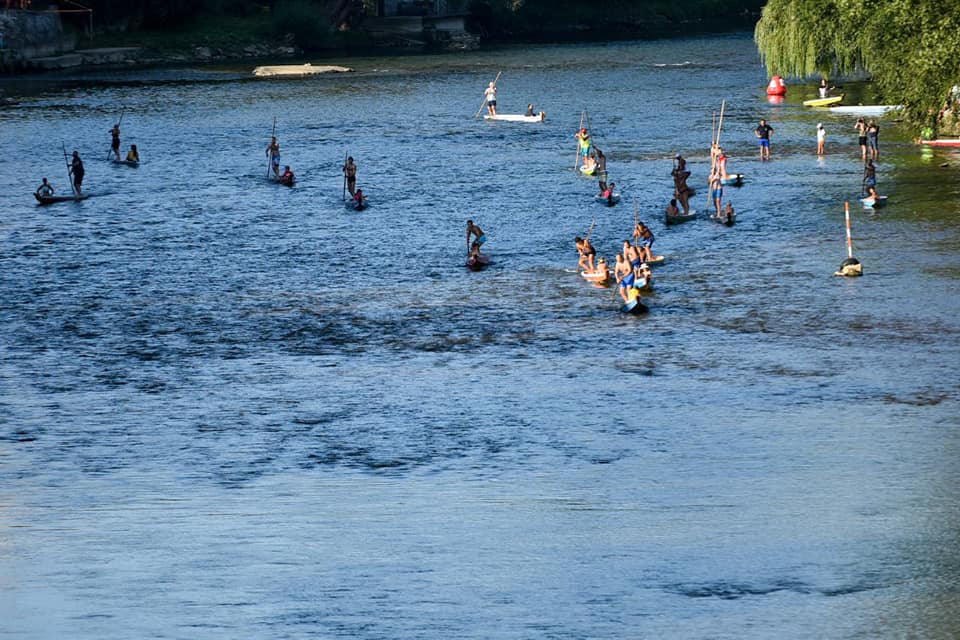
776,87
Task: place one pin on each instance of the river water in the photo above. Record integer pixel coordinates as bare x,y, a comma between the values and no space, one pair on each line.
234,410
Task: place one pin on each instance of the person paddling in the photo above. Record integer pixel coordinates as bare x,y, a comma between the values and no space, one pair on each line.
273,152
45,189
76,170
583,142
475,232
115,141
350,171
490,95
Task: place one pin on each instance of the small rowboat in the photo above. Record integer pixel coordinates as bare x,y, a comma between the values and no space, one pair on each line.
53,199
612,200
733,179
866,109
587,172
677,219
656,261
599,278
725,219
477,262
634,307
130,163
823,102
943,142
872,202
508,117
355,205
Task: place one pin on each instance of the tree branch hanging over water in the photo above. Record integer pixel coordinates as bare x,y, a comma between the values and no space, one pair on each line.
911,48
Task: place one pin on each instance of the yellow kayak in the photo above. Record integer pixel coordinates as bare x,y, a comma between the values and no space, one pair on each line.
823,102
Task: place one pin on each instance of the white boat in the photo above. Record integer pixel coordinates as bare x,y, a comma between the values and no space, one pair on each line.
297,70
873,202
866,109
508,117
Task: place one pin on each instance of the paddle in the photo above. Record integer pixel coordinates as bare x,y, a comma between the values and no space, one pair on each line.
715,145
343,196
273,133
576,162
72,186
484,102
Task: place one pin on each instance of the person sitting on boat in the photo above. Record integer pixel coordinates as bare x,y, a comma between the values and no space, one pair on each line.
350,171
490,95
728,213
633,255
530,111
115,141
872,193
287,177
716,190
672,210
359,198
45,189
587,254
475,232
608,192
824,89
623,272
590,163
645,274
583,141
273,152
602,270
133,155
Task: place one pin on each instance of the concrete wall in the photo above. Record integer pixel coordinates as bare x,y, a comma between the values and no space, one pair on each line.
29,34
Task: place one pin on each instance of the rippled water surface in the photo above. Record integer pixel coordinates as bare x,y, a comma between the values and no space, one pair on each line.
234,410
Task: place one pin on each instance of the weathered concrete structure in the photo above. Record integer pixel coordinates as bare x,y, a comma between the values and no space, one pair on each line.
420,23
31,34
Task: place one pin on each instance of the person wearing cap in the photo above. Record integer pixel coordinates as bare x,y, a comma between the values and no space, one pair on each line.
821,138
490,94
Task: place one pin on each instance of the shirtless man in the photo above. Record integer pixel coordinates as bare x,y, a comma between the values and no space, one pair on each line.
716,191
273,152
672,210
587,254
642,234
45,188
115,141
680,189
623,272
490,94
350,171
477,233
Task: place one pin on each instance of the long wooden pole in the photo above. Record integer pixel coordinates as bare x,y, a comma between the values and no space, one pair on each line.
576,162
67,162
482,103
343,196
846,212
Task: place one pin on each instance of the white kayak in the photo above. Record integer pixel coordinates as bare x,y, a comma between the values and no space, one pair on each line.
507,117
866,110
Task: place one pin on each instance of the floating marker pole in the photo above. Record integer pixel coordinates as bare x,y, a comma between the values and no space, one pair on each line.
846,212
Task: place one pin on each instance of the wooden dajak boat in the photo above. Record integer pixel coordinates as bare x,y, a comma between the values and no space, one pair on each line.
54,199
634,307
357,205
133,164
477,262
872,202
598,278
677,219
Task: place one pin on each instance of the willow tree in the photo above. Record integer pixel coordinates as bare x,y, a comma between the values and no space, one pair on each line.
910,48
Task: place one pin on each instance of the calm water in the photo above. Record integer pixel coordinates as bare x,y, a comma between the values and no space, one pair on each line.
234,410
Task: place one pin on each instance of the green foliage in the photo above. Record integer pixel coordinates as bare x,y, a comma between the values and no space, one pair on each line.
305,19
911,48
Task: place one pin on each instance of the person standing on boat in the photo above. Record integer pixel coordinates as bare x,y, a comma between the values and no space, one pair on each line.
623,272
716,191
530,112
273,152
133,155
642,233
45,189
350,171
821,138
763,132
490,94
869,174
583,141
873,141
115,141
722,163
601,170
861,128
681,190
76,170
473,231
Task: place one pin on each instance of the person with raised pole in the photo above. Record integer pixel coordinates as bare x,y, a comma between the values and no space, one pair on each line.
273,152
76,170
115,141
